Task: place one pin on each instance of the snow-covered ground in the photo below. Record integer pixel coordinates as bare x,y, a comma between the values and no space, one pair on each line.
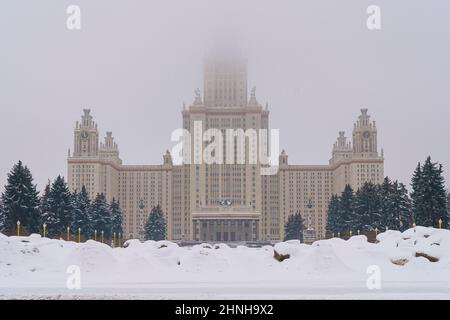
35,267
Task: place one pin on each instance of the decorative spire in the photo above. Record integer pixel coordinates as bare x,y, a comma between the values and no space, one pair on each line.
253,101
198,97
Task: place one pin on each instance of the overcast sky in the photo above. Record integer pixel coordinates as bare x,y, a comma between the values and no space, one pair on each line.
135,62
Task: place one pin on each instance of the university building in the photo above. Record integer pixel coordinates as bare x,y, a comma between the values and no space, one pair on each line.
223,201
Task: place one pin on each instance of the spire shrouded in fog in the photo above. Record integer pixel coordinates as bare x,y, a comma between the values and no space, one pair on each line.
225,78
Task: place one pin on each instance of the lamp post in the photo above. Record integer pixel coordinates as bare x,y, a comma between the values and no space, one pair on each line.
351,233
114,240
141,207
120,243
102,235
18,228
44,226
440,223
95,235
68,233
79,235
310,230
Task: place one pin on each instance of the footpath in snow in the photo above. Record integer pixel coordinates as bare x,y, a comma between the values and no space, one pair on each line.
412,264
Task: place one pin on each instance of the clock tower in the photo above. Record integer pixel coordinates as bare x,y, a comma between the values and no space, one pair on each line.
86,137
365,136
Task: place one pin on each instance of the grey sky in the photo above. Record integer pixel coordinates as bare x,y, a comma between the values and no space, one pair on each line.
135,62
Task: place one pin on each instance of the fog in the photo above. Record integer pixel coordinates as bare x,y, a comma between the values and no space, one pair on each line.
134,63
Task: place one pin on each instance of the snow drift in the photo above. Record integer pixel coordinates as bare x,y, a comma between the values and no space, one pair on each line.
420,255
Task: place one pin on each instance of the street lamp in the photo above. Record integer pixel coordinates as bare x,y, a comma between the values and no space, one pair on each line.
79,235
440,223
68,233
18,228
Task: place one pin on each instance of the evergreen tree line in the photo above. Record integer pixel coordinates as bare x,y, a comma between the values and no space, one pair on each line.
57,208
389,206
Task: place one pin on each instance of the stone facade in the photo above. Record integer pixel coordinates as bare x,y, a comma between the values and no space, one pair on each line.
224,200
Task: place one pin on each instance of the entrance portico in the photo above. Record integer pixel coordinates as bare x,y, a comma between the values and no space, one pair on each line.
226,224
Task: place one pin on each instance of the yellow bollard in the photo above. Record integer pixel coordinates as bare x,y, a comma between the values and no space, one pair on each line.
79,234
68,233
45,226
18,228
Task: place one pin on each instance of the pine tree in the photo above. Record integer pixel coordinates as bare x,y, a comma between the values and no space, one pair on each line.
81,213
293,229
155,227
368,208
101,216
58,215
116,217
346,213
429,199
21,200
333,219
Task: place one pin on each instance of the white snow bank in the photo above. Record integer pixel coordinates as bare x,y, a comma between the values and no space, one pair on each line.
420,254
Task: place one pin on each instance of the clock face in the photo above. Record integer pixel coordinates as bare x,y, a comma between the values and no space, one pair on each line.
84,135
366,134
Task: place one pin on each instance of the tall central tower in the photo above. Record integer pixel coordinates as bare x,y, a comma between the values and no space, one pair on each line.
225,81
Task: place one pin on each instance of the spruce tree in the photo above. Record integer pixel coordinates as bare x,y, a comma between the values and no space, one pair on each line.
2,217
429,197
387,212
346,213
333,219
367,208
21,200
101,216
402,214
116,217
293,229
81,213
155,227
58,215
43,204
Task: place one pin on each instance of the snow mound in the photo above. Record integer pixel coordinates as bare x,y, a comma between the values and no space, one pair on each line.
416,254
